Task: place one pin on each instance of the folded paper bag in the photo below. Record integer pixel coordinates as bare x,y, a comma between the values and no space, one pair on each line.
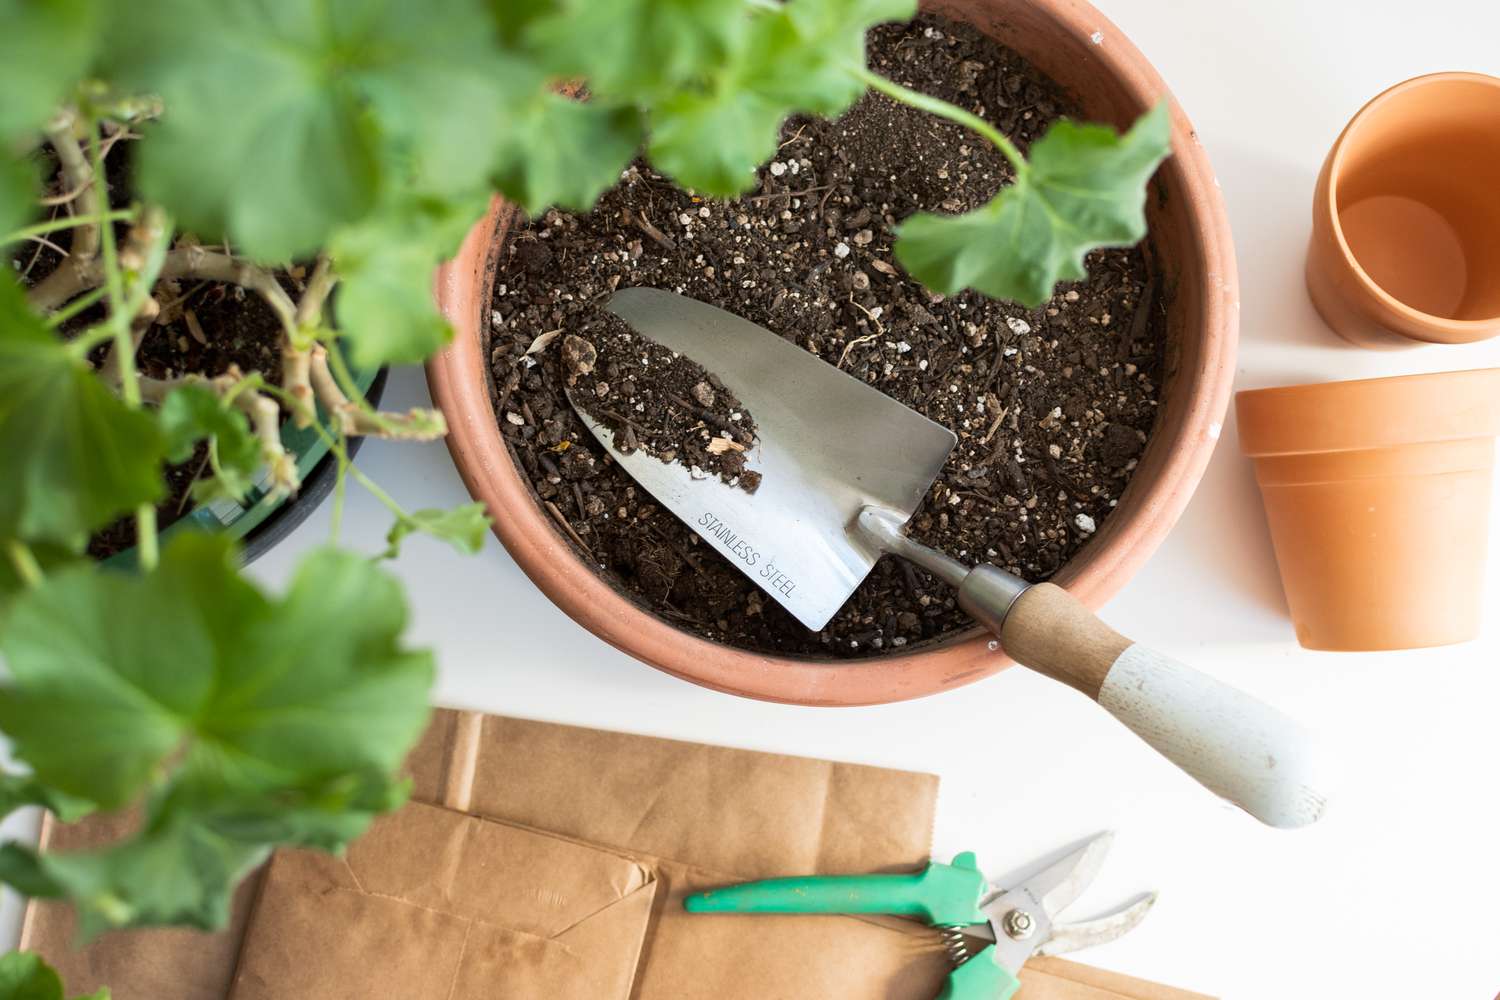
446,905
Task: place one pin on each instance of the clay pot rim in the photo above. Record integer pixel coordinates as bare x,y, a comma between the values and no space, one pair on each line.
1127,540
1251,404
1441,328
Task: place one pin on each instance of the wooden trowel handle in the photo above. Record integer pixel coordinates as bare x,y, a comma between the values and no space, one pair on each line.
1233,744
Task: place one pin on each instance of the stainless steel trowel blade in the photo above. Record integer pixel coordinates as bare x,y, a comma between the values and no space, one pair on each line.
828,446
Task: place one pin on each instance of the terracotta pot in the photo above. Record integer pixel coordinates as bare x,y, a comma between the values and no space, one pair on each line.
1082,50
1406,218
1378,495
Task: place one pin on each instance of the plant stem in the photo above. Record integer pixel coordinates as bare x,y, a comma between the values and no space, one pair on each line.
345,378
196,262
114,284
67,222
374,489
72,309
24,560
943,109
346,464
319,285
145,536
340,488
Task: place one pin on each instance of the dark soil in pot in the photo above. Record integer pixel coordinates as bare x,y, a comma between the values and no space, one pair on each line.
1051,406
237,328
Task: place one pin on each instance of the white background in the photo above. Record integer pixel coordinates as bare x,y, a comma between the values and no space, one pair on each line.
1397,892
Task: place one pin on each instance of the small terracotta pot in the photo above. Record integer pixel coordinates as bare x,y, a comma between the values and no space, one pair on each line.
1082,50
1406,217
1378,495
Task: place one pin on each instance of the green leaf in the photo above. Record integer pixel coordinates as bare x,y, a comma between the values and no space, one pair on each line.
17,790
513,18
18,191
636,50
252,720
1084,187
44,50
76,456
384,307
433,72
463,527
801,55
193,413
563,152
48,558
183,874
713,143
25,976
285,119
798,58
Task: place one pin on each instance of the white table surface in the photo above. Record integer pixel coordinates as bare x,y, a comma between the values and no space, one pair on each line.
1397,892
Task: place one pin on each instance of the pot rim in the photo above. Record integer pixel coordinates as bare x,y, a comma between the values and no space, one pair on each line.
1127,540
1446,330
1254,408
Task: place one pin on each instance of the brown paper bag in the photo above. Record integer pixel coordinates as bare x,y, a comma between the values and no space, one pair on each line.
706,815
434,903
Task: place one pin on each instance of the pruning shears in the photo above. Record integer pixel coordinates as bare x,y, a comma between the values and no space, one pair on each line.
1019,920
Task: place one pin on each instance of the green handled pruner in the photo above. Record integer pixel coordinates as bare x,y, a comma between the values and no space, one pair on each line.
1021,920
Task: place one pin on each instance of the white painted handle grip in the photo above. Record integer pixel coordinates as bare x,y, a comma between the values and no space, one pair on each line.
1234,745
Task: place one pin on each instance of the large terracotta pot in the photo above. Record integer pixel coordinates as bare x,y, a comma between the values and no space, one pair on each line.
1082,50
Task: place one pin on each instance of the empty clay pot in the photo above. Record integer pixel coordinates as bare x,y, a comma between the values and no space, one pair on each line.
1083,51
1406,218
1378,496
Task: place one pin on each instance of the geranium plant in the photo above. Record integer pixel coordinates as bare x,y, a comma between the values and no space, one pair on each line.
357,140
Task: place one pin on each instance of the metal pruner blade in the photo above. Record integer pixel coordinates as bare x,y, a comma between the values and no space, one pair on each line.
1022,919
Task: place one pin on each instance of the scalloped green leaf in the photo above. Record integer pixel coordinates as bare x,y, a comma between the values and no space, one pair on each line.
331,105
44,50
250,720
76,456
25,976
18,191
383,306
799,57
462,527
563,152
193,413
636,50
1084,187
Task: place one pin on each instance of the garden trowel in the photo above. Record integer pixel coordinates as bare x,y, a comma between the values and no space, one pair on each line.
843,467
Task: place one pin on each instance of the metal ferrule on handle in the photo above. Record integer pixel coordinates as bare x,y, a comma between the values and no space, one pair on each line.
985,592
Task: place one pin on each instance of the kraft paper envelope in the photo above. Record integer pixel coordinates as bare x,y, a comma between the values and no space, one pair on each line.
432,903
706,815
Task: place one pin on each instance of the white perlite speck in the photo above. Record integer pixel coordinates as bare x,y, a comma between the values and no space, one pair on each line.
778,168
1019,327
841,251
1085,524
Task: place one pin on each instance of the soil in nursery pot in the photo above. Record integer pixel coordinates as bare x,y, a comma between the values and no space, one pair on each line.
237,328
204,327
1051,406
